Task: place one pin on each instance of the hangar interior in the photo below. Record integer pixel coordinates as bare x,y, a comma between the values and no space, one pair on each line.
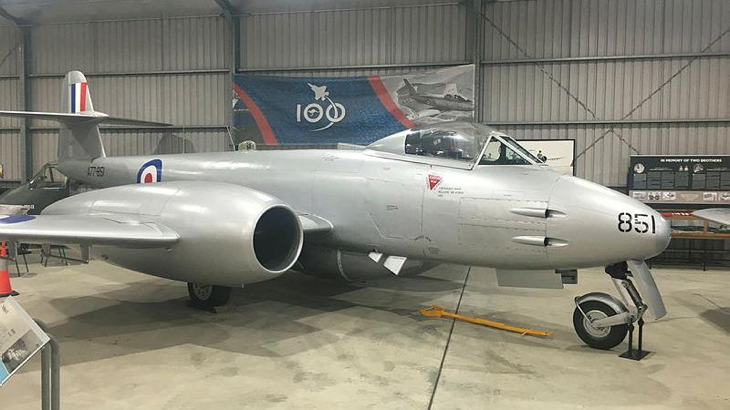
618,77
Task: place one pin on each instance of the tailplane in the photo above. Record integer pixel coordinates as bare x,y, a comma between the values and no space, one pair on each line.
410,89
79,137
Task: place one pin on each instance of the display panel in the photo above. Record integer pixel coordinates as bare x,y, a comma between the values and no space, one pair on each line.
680,179
559,153
20,338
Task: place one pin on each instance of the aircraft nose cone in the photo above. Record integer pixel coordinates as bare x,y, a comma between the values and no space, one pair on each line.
663,234
591,225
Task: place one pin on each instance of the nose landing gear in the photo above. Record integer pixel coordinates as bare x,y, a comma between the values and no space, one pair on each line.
602,321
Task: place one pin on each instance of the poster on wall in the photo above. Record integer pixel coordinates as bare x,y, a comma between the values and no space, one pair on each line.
275,110
559,153
20,338
680,179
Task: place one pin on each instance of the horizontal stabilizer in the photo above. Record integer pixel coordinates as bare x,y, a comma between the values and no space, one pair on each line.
87,116
86,230
131,122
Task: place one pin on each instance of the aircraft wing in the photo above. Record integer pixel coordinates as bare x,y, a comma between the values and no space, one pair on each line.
86,230
719,215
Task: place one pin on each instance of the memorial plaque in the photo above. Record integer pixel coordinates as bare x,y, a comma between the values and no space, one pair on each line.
680,179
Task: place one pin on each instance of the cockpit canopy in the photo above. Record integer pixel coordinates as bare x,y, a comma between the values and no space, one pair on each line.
456,144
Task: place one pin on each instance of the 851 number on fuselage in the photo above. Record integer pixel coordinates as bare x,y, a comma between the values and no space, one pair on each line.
640,223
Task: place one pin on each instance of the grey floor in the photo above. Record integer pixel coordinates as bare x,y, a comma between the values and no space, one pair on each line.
129,341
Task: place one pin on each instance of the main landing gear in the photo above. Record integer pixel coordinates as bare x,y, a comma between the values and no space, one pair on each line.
208,297
602,321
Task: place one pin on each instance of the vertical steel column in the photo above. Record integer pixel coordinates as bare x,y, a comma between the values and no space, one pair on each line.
235,33
232,20
26,140
478,45
50,372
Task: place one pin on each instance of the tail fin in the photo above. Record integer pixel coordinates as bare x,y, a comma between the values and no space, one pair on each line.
409,87
80,141
79,137
76,97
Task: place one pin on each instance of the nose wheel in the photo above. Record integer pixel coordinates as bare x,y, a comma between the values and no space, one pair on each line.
602,321
598,337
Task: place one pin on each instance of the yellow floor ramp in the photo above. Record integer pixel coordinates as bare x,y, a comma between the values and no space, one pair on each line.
436,311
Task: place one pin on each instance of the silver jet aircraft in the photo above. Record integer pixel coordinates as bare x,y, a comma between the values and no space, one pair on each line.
452,193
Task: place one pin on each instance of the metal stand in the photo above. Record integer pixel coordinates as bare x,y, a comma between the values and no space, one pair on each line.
47,254
50,372
639,353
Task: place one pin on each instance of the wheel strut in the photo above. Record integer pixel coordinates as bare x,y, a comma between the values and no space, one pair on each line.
629,293
626,314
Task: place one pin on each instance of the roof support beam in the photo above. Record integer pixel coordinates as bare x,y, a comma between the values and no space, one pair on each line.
234,34
477,46
16,21
26,140
227,7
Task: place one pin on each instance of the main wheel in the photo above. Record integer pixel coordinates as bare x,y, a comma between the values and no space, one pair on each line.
208,296
603,338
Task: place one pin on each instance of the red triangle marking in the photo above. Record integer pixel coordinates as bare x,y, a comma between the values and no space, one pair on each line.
433,181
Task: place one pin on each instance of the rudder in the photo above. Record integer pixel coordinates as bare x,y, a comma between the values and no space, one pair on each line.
80,141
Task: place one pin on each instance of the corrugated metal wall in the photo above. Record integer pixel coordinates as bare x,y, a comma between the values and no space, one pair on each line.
171,70
9,140
545,62
387,35
544,66
619,76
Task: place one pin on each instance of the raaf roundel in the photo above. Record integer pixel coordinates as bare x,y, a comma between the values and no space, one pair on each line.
150,172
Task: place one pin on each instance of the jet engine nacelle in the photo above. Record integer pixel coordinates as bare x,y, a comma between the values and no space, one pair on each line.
229,235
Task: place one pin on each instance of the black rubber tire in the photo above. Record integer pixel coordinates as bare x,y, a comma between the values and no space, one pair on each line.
615,336
219,296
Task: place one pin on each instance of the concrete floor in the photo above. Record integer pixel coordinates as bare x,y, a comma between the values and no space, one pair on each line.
130,341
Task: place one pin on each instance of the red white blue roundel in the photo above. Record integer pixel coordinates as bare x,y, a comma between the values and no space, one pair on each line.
150,172
15,219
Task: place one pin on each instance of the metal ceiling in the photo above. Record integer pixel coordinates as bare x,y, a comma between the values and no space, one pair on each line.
65,11
59,11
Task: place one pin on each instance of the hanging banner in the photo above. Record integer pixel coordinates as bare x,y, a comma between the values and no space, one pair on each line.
277,110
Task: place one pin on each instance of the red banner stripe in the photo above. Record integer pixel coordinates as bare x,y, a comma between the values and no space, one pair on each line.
258,116
388,102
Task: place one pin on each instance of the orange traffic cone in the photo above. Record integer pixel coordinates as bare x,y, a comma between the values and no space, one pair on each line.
5,288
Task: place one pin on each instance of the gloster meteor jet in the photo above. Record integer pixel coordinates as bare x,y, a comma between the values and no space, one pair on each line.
459,193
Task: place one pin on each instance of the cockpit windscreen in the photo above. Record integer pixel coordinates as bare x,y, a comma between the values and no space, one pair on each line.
442,143
503,150
522,149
